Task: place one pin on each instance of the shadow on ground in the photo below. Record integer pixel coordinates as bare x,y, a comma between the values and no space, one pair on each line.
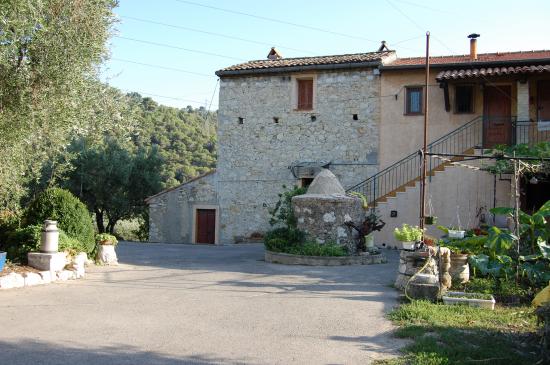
29,351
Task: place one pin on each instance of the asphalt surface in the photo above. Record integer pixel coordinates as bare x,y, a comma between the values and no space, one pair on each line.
184,304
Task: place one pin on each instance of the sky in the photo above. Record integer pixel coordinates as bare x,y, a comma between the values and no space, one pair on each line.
169,50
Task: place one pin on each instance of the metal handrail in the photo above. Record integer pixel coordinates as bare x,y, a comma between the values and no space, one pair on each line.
407,169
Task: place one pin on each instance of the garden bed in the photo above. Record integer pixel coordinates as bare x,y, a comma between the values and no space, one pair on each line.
289,259
480,300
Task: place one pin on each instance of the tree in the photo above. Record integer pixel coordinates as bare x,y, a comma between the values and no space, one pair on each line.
50,51
113,180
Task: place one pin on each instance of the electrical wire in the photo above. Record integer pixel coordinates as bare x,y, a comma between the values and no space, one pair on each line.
215,34
161,67
179,48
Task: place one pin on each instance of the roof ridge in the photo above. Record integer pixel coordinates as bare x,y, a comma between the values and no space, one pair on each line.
307,57
479,54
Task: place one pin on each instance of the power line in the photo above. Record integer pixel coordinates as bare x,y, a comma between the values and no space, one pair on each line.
160,96
177,47
277,21
161,67
214,34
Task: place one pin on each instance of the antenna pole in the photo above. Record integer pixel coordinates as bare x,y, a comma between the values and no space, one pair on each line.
425,145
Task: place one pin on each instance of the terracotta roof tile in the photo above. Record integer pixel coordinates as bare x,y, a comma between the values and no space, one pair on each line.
309,61
482,57
490,71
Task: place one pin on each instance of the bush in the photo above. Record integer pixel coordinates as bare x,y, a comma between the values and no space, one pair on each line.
24,240
317,249
9,222
72,216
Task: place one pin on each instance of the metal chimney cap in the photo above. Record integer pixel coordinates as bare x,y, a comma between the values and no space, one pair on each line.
474,36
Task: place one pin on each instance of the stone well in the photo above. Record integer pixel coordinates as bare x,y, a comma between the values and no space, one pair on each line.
324,210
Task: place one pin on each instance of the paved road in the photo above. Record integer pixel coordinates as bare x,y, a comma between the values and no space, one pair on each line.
183,304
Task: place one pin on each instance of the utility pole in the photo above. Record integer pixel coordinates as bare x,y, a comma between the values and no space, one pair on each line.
425,145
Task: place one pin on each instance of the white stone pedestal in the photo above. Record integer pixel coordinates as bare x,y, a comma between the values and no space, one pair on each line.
47,261
106,255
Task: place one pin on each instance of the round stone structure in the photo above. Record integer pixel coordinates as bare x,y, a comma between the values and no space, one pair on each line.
324,210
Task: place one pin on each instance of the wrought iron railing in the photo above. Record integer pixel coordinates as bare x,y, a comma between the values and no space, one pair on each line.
407,170
530,132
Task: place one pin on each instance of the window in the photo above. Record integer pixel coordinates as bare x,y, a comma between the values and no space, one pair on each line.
464,99
413,100
305,182
305,94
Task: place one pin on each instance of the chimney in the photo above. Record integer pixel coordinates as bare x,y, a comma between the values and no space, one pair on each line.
274,54
473,46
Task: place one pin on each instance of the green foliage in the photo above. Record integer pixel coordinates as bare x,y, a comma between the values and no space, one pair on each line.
408,233
363,198
21,241
316,249
70,213
113,180
282,214
467,245
49,90
105,239
277,239
185,139
442,334
540,150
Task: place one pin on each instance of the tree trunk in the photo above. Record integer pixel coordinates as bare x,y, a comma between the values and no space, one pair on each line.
111,225
99,220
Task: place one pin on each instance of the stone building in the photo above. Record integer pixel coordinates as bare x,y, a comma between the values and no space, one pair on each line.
359,115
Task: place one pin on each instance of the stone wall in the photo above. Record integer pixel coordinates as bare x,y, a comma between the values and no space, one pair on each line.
254,157
171,212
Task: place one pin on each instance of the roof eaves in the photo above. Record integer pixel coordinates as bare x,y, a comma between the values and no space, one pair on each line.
147,200
471,64
286,69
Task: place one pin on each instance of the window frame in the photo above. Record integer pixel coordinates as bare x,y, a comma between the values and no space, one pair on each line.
472,99
300,81
408,89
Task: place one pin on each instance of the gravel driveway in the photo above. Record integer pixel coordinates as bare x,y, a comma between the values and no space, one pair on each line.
184,304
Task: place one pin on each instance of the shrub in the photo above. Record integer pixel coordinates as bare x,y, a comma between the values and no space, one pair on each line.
27,239
318,249
9,222
282,213
408,233
72,216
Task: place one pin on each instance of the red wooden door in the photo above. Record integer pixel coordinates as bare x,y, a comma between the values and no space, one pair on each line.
543,100
206,226
497,115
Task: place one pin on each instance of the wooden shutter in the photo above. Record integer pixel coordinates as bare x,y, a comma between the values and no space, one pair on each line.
305,94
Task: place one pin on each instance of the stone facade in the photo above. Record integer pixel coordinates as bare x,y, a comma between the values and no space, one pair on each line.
171,212
261,134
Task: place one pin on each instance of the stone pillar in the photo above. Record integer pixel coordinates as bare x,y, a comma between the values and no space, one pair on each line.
522,112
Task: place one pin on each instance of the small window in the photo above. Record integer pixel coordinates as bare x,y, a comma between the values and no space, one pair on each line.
413,100
464,99
305,94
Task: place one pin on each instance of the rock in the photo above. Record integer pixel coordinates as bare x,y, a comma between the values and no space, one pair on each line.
425,279
64,275
423,291
326,183
31,279
46,276
106,255
12,280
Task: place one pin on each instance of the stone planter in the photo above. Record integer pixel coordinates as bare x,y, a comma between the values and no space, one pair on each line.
450,298
460,269
369,241
106,255
407,245
456,234
2,260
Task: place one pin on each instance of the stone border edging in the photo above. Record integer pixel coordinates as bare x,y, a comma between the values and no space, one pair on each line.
288,259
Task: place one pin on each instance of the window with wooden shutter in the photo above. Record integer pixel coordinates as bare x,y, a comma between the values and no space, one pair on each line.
305,94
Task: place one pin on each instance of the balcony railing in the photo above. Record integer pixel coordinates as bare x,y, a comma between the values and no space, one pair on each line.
481,132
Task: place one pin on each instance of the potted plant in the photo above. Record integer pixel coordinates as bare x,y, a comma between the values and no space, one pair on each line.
408,236
471,299
371,224
2,260
106,253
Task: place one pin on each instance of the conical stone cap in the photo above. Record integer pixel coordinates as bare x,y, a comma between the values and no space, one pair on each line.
325,183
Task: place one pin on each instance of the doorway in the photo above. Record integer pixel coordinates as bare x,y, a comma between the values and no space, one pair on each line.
497,115
543,104
206,226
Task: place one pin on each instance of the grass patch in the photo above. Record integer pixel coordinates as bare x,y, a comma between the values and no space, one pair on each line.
465,335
